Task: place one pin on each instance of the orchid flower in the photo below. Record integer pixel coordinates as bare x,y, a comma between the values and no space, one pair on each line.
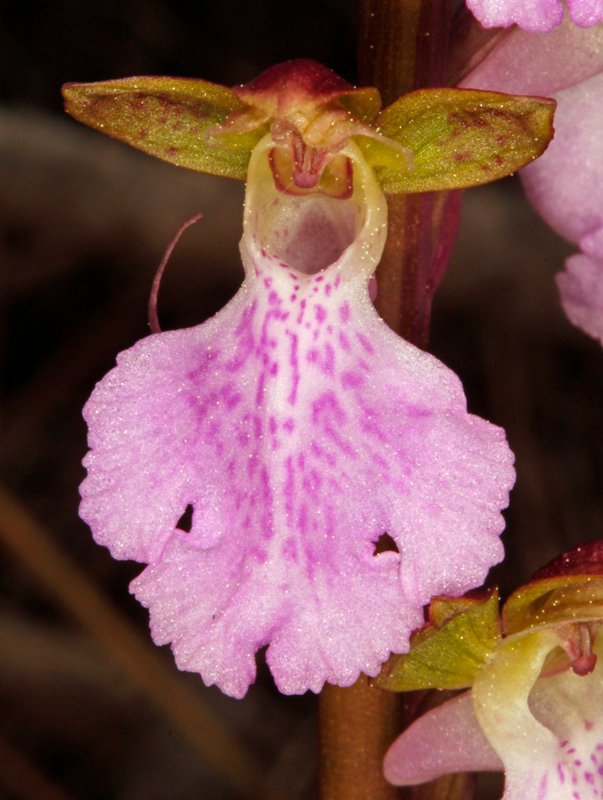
535,704
535,16
332,477
566,185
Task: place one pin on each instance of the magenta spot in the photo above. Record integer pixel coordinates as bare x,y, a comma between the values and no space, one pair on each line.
259,395
274,368
577,762
312,355
293,362
259,555
588,725
344,312
273,298
272,426
328,289
329,363
289,425
328,404
292,298
302,309
301,461
560,773
337,280
351,380
364,343
290,549
344,342
589,777
289,486
267,282
320,313
319,278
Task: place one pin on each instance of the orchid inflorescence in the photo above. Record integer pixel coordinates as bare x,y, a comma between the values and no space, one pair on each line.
332,479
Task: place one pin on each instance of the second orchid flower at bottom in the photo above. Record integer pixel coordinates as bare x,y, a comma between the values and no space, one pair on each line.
535,706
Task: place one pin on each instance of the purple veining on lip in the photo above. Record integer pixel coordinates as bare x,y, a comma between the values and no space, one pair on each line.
299,429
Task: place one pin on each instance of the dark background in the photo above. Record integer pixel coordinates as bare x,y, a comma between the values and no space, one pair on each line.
83,224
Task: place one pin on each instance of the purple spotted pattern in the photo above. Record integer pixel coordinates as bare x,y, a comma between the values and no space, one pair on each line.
298,429
571,707
581,778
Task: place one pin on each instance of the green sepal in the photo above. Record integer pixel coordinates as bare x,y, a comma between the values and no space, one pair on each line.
553,601
168,118
459,138
449,651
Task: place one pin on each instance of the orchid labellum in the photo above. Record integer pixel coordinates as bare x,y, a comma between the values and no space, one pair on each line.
294,428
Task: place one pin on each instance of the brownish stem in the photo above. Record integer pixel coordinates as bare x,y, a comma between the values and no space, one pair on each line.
421,232
403,45
357,725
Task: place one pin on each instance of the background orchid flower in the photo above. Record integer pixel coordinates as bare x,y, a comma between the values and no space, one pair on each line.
565,186
536,17
536,676
293,473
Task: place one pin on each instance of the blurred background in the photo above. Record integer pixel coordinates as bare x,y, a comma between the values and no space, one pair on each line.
88,707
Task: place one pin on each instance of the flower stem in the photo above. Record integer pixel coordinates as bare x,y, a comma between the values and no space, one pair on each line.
403,45
357,724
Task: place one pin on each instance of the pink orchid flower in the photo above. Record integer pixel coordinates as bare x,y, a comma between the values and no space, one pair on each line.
294,428
566,184
535,16
535,705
